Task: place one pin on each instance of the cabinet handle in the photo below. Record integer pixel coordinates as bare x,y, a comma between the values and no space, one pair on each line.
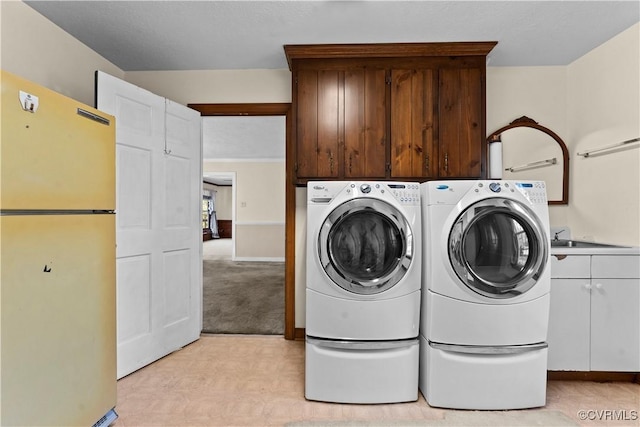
426,163
587,286
446,162
350,162
598,285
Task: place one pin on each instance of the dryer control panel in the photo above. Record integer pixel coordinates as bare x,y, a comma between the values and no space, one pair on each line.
534,191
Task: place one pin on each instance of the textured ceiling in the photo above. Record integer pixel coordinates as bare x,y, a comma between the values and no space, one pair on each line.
200,35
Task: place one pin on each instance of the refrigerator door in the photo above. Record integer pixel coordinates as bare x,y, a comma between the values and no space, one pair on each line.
55,153
57,312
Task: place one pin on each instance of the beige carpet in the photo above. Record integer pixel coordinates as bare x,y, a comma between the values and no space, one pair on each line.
243,297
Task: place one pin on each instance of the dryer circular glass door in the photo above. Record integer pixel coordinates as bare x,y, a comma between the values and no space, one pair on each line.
498,248
365,246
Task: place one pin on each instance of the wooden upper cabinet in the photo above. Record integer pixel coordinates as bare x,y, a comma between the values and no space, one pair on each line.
317,123
396,111
340,123
462,123
364,123
414,123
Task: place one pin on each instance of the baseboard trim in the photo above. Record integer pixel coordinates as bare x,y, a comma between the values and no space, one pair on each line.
299,334
597,376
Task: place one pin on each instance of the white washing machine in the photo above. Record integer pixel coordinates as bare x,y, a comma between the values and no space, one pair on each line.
363,291
486,284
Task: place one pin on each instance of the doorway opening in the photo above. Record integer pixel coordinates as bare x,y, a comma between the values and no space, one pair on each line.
278,229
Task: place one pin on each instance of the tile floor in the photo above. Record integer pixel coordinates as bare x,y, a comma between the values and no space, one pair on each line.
224,380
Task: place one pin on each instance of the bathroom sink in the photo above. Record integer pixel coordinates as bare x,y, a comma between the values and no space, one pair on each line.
564,243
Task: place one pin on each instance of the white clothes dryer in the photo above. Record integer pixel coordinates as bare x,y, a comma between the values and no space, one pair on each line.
486,286
363,291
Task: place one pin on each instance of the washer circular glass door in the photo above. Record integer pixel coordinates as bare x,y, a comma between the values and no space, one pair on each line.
498,248
365,245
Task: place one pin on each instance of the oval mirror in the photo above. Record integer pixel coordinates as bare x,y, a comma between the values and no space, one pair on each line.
531,151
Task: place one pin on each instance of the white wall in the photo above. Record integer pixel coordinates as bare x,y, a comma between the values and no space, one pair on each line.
259,221
593,102
536,92
34,48
217,86
604,109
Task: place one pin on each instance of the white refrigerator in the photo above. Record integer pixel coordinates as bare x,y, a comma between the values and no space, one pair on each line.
57,259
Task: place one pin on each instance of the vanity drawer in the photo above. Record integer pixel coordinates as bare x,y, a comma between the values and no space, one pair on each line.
570,266
615,266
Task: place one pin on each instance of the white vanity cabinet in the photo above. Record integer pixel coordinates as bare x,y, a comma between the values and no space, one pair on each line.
615,313
594,322
570,314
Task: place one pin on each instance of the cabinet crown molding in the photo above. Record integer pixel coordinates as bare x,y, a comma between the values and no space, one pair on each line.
386,50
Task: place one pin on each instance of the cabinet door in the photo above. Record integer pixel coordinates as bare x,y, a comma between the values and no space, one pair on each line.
364,123
413,123
569,325
615,325
461,114
317,123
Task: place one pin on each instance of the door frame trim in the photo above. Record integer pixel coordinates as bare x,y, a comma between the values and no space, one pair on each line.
274,109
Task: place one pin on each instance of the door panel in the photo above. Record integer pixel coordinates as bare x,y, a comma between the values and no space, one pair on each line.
615,325
413,122
364,123
133,166
460,132
182,232
134,302
328,123
307,123
159,184
569,325
176,199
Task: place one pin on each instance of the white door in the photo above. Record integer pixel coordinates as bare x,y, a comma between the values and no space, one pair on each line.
158,229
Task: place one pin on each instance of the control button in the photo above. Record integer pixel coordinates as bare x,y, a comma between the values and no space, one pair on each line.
495,187
365,188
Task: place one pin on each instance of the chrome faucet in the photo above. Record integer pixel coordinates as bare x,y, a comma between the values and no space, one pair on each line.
555,237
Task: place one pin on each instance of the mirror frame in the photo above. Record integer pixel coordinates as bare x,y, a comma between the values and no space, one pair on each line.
525,121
